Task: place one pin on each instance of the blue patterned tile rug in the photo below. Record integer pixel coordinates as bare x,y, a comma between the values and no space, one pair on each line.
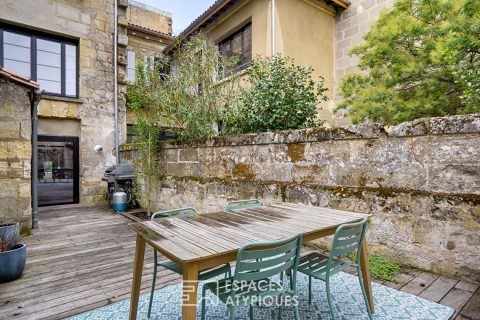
347,299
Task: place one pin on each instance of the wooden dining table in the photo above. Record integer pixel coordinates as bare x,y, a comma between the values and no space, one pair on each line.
208,240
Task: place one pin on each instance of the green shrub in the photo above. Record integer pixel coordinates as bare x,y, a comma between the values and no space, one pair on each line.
280,96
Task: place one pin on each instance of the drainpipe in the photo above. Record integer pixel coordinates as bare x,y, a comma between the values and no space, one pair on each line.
35,97
273,28
115,81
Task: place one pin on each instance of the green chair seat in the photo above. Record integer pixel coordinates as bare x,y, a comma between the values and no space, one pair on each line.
315,264
170,265
202,275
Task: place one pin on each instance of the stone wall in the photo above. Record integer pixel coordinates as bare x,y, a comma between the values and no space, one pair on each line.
420,181
15,151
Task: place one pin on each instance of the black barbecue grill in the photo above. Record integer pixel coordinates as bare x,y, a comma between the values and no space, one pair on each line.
120,178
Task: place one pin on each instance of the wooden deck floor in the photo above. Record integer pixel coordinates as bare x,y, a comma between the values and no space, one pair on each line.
81,258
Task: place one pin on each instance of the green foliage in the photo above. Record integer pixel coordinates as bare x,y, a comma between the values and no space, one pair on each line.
141,97
187,99
281,95
380,267
421,59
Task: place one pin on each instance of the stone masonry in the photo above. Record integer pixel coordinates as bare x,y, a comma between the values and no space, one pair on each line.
420,181
15,149
350,27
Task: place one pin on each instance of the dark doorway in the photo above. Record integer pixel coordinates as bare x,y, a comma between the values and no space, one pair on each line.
58,170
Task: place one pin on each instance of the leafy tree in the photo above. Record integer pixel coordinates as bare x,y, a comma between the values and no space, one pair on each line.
421,59
280,95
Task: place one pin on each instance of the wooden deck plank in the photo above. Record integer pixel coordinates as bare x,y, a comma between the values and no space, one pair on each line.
438,289
420,283
456,299
471,310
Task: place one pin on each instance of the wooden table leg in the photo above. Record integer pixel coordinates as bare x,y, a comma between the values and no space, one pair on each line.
137,276
190,288
367,282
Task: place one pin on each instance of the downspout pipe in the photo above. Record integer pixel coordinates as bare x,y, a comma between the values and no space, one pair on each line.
35,96
115,81
273,28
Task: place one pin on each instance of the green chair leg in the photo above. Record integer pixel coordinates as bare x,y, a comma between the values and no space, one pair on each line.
296,314
359,273
233,312
329,298
280,315
153,283
204,289
309,289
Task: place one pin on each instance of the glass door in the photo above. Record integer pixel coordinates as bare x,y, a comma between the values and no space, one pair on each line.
58,170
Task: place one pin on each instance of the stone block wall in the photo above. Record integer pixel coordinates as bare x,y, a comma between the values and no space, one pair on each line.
351,26
420,181
15,151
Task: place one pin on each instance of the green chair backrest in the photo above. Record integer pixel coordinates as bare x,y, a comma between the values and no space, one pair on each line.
256,261
242,204
348,238
175,213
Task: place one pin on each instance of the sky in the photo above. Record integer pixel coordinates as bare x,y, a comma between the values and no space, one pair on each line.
183,11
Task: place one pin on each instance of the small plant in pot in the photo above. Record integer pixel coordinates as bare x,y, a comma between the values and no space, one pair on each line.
13,254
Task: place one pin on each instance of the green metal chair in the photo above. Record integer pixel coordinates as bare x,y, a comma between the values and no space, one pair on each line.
348,238
256,263
242,204
168,264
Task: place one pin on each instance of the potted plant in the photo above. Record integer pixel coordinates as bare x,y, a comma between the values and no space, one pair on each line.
13,255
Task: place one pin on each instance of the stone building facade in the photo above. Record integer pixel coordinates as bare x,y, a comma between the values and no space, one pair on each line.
68,46
351,25
15,146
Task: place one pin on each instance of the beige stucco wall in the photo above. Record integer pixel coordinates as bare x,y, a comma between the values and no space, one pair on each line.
257,11
304,31
149,17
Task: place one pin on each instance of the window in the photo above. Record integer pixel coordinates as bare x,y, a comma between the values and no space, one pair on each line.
238,44
130,133
51,61
131,66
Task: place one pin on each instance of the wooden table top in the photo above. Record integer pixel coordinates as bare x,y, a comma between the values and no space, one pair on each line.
212,234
